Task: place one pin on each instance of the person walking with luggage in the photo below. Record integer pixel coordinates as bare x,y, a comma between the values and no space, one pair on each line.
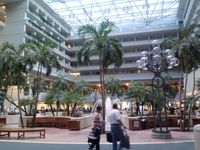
96,129
116,126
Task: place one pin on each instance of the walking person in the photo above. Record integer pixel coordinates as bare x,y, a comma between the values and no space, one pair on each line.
116,127
96,129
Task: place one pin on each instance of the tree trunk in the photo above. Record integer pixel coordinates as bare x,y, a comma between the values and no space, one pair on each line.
73,109
102,89
184,111
190,105
57,107
68,110
194,81
52,111
20,111
180,101
39,72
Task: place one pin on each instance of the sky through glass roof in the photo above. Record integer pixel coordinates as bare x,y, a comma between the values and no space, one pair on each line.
127,14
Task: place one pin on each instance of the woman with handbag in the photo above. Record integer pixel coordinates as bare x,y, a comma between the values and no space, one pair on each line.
96,129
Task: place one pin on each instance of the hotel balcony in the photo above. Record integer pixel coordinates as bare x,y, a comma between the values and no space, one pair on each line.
129,77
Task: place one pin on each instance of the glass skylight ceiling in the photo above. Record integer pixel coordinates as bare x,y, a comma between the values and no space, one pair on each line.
127,14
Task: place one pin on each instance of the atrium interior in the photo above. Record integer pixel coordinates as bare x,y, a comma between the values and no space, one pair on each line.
138,23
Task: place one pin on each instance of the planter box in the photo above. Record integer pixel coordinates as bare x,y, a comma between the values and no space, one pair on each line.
2,120
62,122
78,123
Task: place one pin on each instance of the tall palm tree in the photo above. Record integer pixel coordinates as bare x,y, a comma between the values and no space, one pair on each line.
44,56
59,86
7,52
108,49
186,47
15,64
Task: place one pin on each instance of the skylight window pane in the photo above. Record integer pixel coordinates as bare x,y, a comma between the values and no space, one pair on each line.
57,6
72,4
122,12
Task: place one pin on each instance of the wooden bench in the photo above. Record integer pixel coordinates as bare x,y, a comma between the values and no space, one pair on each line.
21,131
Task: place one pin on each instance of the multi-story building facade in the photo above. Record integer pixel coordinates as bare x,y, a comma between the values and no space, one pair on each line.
133,42
35,20
21,20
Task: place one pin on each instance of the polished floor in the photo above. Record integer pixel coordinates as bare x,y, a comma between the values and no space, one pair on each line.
77,140
80,136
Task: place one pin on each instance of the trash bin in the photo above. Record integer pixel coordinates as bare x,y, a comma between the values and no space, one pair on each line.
135,123
197,136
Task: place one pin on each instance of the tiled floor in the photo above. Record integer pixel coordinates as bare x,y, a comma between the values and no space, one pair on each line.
64,135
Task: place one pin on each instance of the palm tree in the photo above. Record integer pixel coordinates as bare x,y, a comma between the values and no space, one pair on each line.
6,52
59,86
66,100
137,91
43,54
112,85
24,102
15,64
83,86
72,99
99,42
49,99
6,58
186,47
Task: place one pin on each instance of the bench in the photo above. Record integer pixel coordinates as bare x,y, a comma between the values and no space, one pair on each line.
21,131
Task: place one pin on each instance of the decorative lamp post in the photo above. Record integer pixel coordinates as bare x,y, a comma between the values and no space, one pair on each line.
158,61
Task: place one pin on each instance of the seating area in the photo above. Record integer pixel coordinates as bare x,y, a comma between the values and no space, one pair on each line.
21,132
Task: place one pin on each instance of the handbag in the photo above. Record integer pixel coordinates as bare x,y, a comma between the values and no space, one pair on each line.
125,141
91,137
109,137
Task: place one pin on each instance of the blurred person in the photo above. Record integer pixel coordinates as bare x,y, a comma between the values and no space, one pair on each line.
97,128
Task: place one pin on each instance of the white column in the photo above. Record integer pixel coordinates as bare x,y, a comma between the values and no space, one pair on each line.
197,136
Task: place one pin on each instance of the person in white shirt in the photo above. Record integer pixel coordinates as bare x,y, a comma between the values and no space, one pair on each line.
116,126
